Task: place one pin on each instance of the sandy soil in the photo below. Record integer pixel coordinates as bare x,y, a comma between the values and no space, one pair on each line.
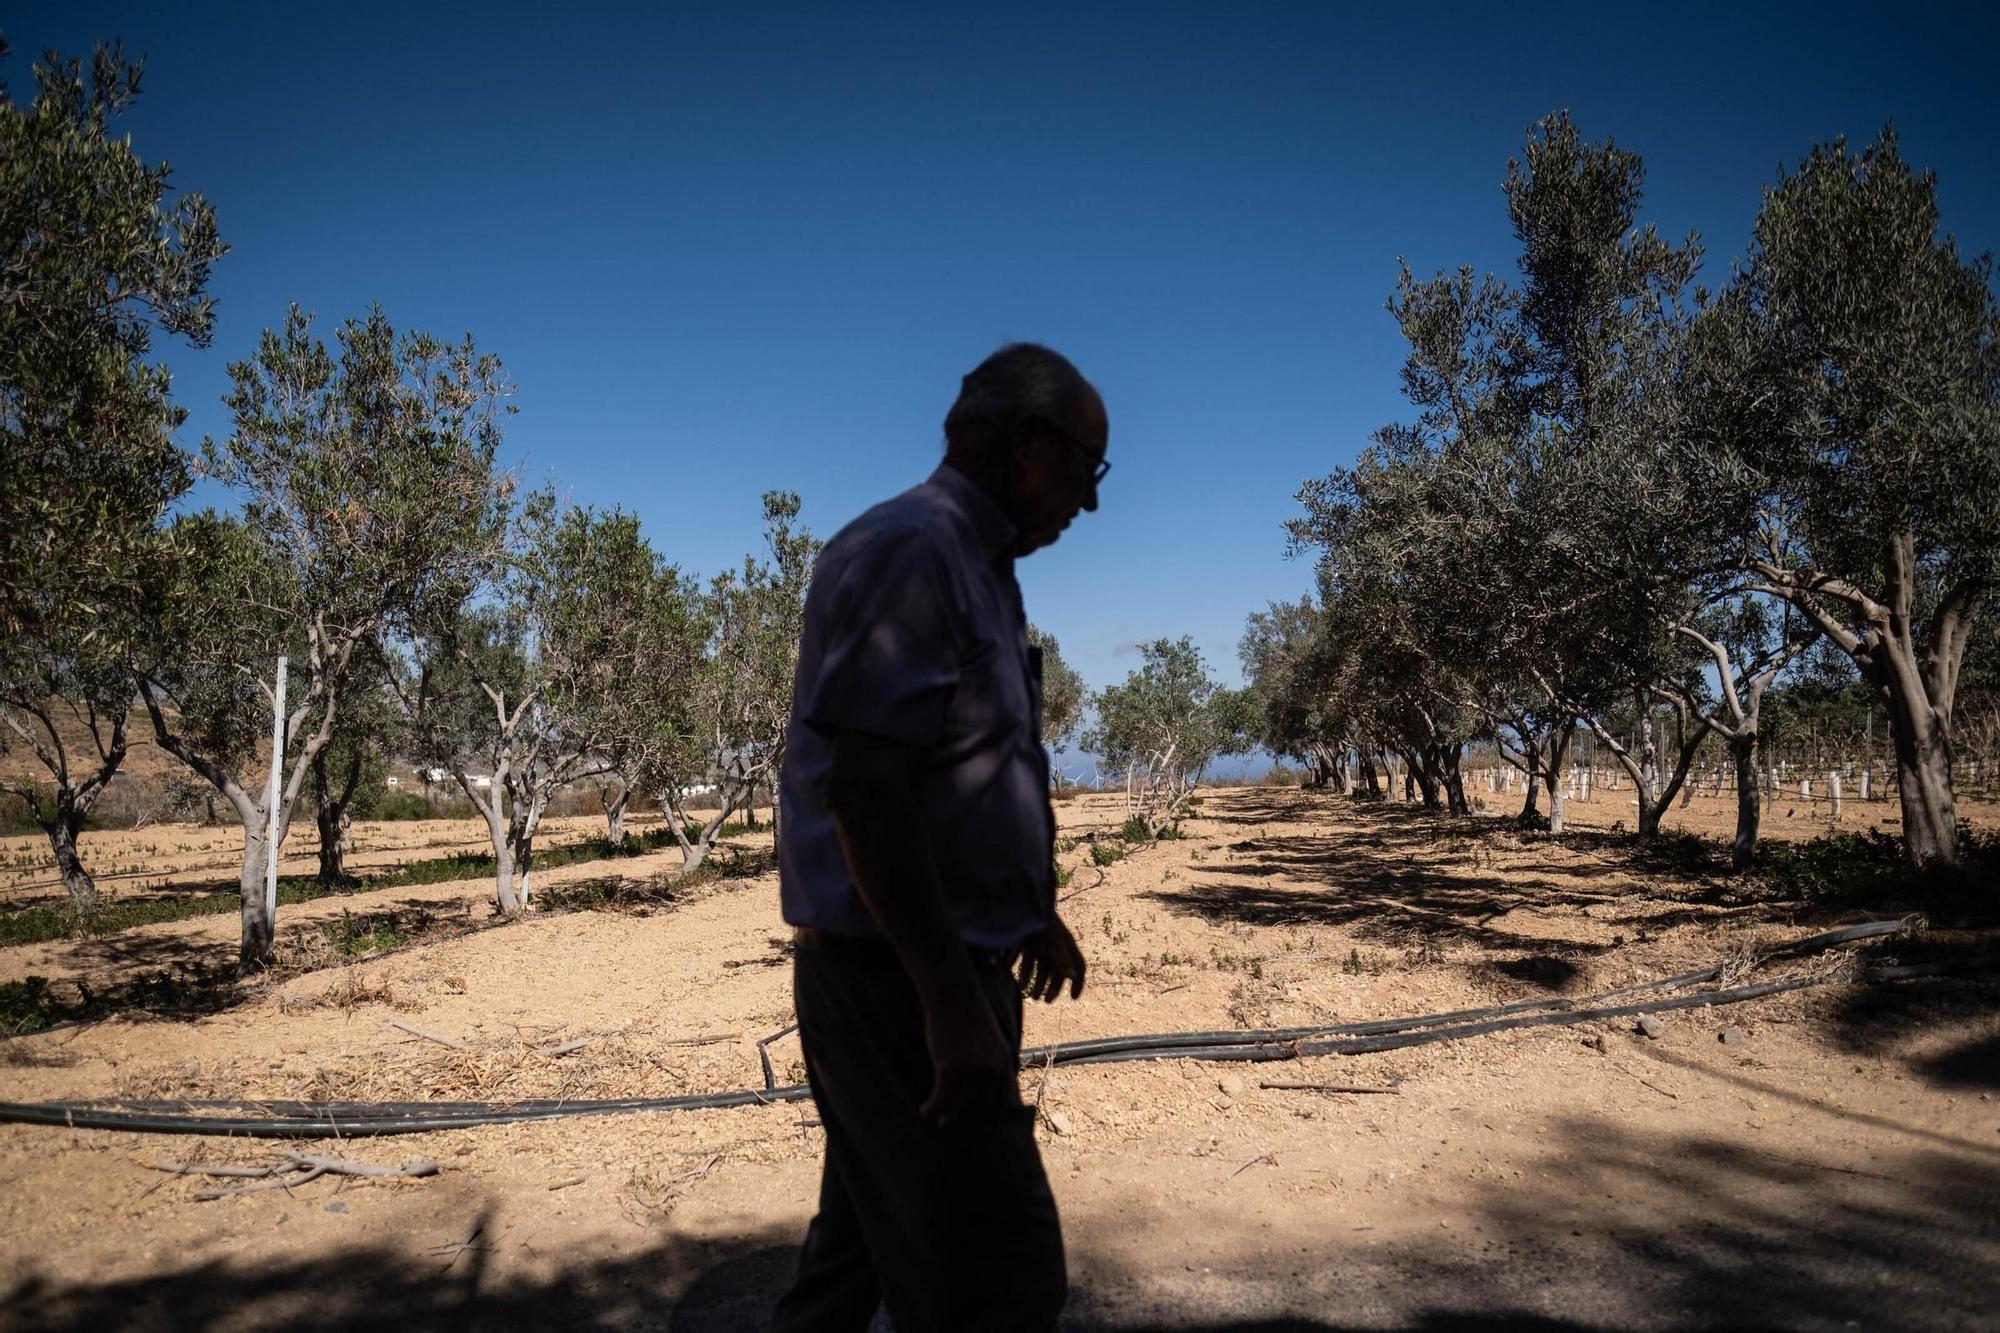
174,858
1838,1167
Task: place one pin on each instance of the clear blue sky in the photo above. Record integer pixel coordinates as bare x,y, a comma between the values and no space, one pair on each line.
730,247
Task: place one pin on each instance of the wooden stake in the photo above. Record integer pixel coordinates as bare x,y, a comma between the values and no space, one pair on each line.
424,1033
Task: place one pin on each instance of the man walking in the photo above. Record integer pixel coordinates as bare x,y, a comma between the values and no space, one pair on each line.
917,870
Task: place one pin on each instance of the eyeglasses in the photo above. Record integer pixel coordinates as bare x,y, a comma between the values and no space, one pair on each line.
1097,466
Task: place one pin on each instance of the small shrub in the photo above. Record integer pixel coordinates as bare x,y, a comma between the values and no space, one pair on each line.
1358,963
1868,869
1063,875
26,1005
399,805
1423,954
1135,831
1106,853
371,935
1682,852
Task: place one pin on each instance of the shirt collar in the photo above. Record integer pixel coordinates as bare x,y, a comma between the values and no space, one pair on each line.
994,530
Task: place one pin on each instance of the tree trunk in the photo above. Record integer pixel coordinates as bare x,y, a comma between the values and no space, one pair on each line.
336,837
1923,785
1531,804
503,859
62,831
614,810
524,859
1558,749
1454,780
259,938
1749,808
1371,789
332,842
1418,772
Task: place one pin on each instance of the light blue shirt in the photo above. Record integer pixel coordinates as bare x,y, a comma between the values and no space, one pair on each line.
914,631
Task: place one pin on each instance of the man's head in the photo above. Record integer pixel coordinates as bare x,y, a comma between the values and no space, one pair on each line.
1032,433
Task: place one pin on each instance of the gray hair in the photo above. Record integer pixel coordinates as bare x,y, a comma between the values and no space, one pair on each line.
1020,383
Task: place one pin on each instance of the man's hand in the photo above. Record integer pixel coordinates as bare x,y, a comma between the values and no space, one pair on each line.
1048,960
975,1073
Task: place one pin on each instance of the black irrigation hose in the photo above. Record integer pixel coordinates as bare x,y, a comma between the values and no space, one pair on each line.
1079,1052
387,1117
315,1120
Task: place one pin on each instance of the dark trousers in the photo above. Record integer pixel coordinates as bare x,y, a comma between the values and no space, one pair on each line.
952,1227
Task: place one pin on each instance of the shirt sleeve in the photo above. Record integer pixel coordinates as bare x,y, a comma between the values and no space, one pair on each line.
889,653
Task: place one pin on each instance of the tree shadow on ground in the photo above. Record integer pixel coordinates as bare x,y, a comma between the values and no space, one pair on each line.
1886,1020
1620,1228
1402,876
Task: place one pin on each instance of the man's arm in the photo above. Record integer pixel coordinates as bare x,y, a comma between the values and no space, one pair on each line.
871,791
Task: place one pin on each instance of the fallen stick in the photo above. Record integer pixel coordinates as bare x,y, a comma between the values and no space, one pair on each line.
283,1182
564,1048
241,1172
1393,1088
457,1248
1086,888
701,1172
184,1168
565,1184
1824,1166
424,1033
296,1169
415,1168
1270,1157
703,1041
1675,1096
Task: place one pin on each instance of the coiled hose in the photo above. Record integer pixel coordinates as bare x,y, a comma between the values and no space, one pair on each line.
314,1120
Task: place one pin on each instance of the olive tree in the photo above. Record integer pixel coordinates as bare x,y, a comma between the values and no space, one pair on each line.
95,259
1525,537
1297,690
1062,689
726,729
520,694
1163,726
1858,362
367,486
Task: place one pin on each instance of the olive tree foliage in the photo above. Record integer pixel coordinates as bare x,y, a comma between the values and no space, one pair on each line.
1298,696
1853,369
524,687
1162,727
1527,539
94,260
1063,693
725,730
368,488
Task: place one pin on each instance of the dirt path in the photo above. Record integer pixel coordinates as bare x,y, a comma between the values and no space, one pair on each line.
1838,1167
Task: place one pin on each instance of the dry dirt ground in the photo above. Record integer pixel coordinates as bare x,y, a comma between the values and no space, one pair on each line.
1838,1167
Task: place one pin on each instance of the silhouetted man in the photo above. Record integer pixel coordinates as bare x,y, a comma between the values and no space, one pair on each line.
916,866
